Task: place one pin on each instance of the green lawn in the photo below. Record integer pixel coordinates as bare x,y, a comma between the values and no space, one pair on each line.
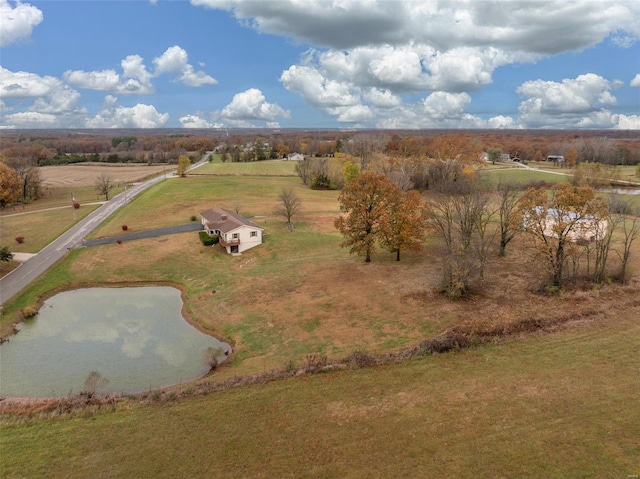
554,405
39,228
520,175
253,168
175,200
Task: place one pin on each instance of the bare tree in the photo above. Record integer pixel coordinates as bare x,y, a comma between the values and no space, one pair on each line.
510,214
104,184
630,232
459,214
289,206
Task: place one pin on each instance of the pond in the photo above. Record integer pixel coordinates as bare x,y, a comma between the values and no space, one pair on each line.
134,338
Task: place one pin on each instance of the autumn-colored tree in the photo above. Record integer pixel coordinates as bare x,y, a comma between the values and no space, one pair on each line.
365,199
558,220
183,165
10,185
571,157
402,228
350,171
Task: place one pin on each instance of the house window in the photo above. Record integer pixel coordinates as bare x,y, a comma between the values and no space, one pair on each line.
254,234
235,235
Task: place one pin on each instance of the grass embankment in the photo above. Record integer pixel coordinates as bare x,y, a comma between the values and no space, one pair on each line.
551,405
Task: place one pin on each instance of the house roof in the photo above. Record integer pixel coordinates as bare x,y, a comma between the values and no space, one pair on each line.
225,220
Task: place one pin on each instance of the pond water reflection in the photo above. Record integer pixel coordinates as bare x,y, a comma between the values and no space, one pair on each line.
136,338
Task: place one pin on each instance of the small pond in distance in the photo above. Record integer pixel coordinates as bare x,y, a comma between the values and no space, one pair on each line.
136,338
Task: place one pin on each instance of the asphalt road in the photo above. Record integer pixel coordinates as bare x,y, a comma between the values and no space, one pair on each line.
21,277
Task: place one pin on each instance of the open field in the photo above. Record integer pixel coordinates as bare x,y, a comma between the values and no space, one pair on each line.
550,405
520,175
39,228
558,403
78,175
260,168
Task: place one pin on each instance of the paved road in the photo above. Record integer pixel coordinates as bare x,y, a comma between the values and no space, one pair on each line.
19,278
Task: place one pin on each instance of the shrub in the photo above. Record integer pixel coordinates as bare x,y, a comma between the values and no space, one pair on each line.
19,239
119,241
76,205
125,227
29,312
194,217
5,254
208,240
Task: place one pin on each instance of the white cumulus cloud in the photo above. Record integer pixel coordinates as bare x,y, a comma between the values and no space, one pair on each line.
17,22
252,105
138,116
635,81
176,60
134,79
195,121
579,102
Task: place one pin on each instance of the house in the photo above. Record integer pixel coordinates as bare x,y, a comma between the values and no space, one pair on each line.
557,159
573,227
237,234
295,157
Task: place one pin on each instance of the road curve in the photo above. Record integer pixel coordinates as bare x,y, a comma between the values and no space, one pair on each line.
27,272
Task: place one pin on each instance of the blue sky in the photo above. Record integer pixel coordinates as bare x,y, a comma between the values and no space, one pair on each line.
320,64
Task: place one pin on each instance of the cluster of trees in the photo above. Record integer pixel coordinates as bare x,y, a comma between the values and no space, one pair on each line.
20,182
378,212
574,231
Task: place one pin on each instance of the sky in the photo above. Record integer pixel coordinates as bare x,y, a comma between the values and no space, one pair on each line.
385,64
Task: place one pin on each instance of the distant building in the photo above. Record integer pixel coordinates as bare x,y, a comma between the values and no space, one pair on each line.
556,158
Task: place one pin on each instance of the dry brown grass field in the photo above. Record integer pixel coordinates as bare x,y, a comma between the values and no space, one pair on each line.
77,175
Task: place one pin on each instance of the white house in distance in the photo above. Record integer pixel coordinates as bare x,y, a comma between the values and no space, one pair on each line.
585,228
237,234
295,157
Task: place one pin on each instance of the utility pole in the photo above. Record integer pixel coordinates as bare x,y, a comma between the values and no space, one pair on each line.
73,206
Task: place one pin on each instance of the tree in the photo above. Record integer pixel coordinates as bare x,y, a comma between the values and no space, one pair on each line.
459,214
5,254
104,184
556,221
403,225
494,154
303,170
183,165
571,157
510,213
350,171
365,199
289,206
630,232
10,185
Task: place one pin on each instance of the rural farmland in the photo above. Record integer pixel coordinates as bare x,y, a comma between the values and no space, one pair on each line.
556,368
